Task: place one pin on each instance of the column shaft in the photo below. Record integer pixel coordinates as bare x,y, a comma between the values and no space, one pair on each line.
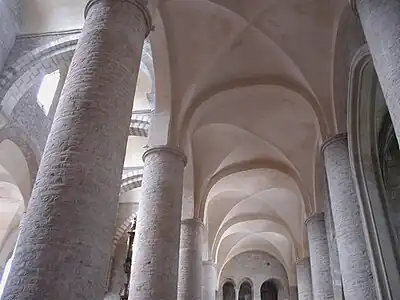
333,254
353,257
66,236
381,23
156,248
190,260
319,257
304,282
9,27
209,280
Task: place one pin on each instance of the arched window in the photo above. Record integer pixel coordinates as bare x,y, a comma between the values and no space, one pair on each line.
47,90
269,291
228,291
245,291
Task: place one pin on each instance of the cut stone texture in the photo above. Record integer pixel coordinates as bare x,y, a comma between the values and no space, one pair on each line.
9,27
304,283
381,23
319,257
190,260
358,283
66,239
209,280
156,248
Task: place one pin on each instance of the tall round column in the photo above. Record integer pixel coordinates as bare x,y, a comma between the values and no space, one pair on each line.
319,257
209,280
66,237
304,282
353,257
381,22
333,253
190,260
156,248
9,27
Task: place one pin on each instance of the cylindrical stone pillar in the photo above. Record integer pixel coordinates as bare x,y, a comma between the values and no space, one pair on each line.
190,260
9,26
358,283
333,253
66,238
304,282
381,22
156,249
209,280
319,257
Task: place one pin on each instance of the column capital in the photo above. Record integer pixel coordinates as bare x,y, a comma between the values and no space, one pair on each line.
163,148
333,139
302,260
209,263
196,221
316,216
141,5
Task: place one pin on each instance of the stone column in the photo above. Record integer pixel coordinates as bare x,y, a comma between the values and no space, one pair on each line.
319,257
209,280
9,27
66,238
156,249
190,260
381,22
354,262
293,293
304,283
333,253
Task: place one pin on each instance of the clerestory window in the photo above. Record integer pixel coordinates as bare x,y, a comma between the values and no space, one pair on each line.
47,90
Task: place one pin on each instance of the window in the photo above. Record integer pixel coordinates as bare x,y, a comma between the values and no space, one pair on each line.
228,291
245,291
47,90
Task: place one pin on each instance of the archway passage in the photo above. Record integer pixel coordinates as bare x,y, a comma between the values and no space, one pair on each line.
228,291
245,292
269,291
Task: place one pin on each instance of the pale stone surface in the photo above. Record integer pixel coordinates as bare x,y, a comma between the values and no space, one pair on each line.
255,267
156,248
381,23
333,253
355,265
304,283
319,257
67,235
9,27
209,286
190,260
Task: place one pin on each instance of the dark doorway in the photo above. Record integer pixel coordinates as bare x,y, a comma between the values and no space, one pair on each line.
269,291
245,292
228,291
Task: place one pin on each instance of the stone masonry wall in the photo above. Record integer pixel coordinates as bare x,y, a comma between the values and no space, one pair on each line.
257,267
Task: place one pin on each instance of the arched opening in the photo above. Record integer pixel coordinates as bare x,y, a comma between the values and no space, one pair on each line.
245,291
47,91
228,291
269,291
